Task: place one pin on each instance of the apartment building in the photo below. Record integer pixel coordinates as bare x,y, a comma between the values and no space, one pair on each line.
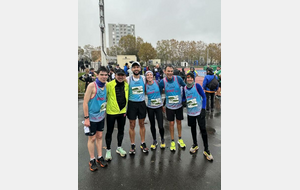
117,31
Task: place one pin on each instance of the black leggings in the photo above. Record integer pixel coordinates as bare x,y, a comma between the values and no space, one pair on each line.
110,119
201,122
210,97
159,117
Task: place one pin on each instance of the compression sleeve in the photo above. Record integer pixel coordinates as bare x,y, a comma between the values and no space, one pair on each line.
161,86
183,96
202,94
180,81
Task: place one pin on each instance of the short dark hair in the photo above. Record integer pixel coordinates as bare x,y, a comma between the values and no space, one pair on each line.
92,69
169,65
190,74
101,68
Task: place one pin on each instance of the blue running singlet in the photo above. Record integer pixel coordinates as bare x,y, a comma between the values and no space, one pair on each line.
97,105
193,101
136,90
173,93
154,97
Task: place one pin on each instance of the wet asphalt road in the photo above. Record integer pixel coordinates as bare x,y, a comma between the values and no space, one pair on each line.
160,168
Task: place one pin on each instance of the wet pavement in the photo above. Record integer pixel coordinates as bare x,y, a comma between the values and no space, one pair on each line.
160,168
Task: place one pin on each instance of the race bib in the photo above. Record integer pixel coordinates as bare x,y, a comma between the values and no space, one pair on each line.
155,102
173,99
192,103
103,107
137,90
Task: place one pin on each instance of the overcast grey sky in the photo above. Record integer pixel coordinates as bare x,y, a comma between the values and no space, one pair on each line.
154,19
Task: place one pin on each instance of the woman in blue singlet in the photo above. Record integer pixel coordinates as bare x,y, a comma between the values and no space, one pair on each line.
154,108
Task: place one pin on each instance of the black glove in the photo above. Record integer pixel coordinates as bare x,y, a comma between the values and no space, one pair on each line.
184,104
203,112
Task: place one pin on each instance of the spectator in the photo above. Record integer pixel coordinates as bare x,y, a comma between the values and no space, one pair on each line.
125,69
82,67
87,78
129,71
210,93
117,68
111,74
218,74
160,71
192,69
182,74
92,72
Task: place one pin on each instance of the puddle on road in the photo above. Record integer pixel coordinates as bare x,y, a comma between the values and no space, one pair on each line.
210,130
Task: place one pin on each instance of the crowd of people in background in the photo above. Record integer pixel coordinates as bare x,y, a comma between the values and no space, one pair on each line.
158,75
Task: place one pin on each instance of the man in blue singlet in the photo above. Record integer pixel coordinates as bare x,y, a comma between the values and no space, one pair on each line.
136,106
94,106
173,101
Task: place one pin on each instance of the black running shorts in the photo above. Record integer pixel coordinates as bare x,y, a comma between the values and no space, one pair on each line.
171,113
96,126
136,109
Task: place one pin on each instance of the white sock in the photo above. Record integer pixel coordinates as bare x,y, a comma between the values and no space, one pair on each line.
92,159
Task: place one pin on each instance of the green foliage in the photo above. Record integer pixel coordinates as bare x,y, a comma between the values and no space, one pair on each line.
147,52
128,45
81,84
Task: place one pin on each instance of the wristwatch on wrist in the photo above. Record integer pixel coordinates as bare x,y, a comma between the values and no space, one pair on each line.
86,117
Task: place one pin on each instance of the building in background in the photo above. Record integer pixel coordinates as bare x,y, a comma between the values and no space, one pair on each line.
122,59
117,31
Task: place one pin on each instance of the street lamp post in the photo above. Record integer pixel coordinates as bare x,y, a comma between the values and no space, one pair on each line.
207,58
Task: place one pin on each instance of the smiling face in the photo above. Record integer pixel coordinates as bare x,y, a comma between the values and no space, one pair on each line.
102,76
169,72
189,79
136,69
149,77
120,77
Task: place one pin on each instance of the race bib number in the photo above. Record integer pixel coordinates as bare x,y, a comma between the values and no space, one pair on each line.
103,107
192,103
137,90
173,99
155,102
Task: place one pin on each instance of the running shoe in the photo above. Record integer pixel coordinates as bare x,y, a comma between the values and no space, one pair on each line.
121,151
181,143
93,165
102,162
172,147
162,144
153,146
208,155
194,149
108,155
144,148
132,150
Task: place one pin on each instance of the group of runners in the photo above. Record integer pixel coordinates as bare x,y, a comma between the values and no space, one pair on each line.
125,96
